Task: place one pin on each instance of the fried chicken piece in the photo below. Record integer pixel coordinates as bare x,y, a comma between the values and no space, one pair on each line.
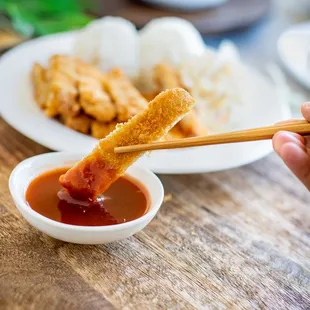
62,93
65,65
79,123
100,130
149,96
173,134
97,171
70,86
127,98
94,100
190,126
85,69
68,103
40,86
166,77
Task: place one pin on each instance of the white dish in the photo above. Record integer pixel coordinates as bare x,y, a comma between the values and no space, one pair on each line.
30,168
19,109
294,52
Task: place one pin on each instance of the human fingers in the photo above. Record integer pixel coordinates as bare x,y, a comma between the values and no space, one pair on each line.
294,154
305,110
283,137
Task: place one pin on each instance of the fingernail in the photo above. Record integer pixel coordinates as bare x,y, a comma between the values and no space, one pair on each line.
283,137
276,141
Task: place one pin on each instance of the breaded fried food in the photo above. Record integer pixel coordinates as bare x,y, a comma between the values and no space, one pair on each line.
190,126
92,95
79,123
94,99
62,90
165,77
97,171
70,86
173,134
100,130
149,95
126,97
85,69
39,80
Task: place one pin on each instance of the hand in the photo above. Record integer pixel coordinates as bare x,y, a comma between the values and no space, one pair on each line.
292,148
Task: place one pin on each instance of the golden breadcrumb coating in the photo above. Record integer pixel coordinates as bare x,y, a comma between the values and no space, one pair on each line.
165,77
150,95
191,126
94,99
174,134
97,171
127,98
100,130
79,123
89,101
39,80
62,79
85,69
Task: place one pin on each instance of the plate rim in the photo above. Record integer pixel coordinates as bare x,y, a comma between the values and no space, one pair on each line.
298,77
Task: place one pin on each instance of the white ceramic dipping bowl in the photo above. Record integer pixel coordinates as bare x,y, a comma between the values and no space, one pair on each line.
30,168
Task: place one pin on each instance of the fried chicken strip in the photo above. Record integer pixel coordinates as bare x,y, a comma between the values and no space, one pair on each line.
127,98
166,77
94,100
97,171
100,130
79,123
85,69
62,79
173,134
40,85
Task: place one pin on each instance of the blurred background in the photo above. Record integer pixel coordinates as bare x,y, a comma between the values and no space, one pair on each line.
253,25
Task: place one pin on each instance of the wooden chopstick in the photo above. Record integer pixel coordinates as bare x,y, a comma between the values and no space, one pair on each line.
301,127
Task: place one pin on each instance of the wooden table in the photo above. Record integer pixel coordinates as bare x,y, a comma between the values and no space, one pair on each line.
237,239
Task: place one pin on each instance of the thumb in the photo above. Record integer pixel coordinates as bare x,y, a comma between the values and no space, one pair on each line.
305,110
291,148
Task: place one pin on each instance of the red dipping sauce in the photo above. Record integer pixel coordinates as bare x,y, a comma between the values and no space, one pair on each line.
124,201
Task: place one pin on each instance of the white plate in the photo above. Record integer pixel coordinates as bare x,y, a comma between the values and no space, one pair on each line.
294,52
21,112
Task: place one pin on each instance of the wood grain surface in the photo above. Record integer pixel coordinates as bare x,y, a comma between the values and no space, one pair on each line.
238,239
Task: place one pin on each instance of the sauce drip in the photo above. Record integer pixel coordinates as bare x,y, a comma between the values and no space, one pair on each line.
124,201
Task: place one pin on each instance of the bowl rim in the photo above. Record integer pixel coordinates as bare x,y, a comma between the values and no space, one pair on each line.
23,207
